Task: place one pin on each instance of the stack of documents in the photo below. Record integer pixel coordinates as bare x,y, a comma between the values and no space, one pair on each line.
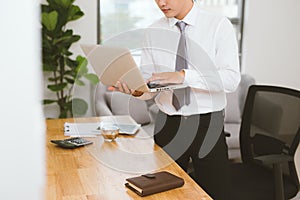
81,129
92,129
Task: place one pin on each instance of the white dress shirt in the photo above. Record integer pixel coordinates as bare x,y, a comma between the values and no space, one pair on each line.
213,63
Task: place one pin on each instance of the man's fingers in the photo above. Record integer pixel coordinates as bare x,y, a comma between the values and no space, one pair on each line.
119,86
112,88
125,88
122,87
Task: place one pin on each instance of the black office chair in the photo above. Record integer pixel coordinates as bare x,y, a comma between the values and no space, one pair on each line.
269,137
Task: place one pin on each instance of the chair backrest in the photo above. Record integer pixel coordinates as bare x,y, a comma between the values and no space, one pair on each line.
271,124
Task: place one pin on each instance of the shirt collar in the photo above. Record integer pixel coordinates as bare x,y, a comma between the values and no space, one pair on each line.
189,19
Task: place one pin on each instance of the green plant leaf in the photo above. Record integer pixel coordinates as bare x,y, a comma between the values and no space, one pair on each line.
69,80
82,71
79,82
93,78
82,66
82,61
49,101
52,79
57,87
70,73
74,38
72,63
75,13
68,53
65,38
49,68
63,50
64,3
49,20
46,8
79,107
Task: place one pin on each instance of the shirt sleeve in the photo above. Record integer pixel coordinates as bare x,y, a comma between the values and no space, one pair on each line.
226,73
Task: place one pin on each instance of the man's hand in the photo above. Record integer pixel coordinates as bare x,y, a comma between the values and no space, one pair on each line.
122,87
168,77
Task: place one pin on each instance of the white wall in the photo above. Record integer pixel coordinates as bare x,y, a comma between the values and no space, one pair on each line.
272,42
86,27
22,168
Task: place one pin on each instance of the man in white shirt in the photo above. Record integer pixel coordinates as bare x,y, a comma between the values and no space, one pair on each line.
194,130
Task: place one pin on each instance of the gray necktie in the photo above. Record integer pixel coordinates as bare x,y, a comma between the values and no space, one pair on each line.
181,96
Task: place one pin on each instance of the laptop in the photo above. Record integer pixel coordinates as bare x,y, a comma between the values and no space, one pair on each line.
116,63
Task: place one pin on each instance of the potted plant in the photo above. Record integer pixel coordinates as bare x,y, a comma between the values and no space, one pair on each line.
63,70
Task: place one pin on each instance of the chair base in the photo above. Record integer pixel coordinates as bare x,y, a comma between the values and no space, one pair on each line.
255,182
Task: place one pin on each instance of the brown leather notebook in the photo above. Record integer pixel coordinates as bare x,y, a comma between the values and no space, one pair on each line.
153,183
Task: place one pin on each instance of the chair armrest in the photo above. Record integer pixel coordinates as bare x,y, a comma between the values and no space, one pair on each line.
273,159
102,109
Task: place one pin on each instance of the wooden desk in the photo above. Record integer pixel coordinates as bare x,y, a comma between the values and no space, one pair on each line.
98,171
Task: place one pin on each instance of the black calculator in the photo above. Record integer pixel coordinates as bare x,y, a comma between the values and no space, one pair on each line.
72,143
